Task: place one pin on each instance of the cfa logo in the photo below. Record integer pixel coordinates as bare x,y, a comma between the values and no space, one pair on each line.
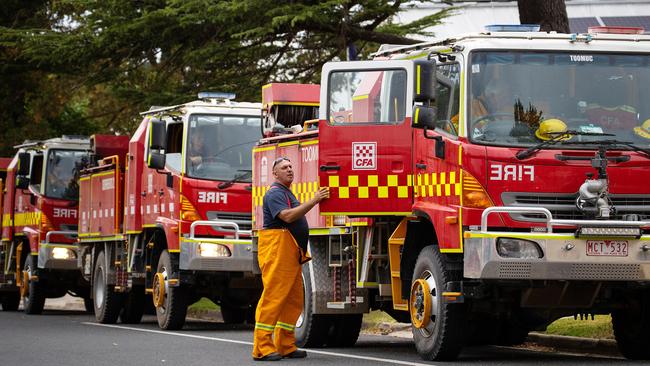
364,155
65,213
213,197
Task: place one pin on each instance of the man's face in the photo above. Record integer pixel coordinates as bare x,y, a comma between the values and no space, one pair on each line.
197,141
283,172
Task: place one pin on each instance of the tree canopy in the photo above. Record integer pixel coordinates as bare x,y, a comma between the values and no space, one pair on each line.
89,66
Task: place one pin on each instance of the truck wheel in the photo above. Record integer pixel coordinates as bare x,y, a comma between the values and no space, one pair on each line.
171,302
312,330
437,326
107,302
345,330
10,301
133,306
632,328
33,293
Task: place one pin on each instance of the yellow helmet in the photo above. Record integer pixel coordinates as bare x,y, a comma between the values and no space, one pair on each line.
552,125
643,130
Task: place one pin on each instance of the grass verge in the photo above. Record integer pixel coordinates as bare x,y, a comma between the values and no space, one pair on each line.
600,327
204,305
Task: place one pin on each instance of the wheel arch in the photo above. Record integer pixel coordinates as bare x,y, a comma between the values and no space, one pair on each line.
420,233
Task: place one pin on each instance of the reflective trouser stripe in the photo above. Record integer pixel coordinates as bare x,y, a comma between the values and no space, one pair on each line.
286,326
266,327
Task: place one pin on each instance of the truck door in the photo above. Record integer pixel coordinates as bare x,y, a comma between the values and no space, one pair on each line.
365,137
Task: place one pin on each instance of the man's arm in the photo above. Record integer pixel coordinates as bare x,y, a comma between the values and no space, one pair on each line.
290,215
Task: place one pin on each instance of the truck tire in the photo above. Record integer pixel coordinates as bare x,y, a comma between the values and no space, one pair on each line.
632,328
10,301
107,303
171,308
133,308
345,330
437,326
34,298
312,330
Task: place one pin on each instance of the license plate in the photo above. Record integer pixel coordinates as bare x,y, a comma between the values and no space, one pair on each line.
613,248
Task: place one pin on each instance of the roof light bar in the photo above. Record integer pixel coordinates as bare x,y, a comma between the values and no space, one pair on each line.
512,28
616,30
216,95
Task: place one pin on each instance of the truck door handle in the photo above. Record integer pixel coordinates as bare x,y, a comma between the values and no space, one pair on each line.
420,166
329,167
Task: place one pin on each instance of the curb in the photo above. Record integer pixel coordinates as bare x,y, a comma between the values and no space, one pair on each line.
588,345
602,347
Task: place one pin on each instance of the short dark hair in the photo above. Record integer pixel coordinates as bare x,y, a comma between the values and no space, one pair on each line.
278,160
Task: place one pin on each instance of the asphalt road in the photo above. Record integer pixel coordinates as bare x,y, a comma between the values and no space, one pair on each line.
60,337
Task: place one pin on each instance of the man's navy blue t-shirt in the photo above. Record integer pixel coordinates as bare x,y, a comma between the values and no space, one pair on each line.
279,198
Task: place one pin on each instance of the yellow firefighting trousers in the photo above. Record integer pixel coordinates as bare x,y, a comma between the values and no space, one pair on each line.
281,303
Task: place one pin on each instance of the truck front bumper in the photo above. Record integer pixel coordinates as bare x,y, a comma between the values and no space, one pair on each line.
216,255
58,256
564,258
556,256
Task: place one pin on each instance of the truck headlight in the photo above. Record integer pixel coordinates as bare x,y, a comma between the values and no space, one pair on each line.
213,250
62,253
518,248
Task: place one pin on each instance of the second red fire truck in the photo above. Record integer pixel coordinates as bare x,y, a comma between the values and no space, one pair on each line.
167,218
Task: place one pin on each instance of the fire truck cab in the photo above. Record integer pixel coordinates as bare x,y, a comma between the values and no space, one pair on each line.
181,228
39,223
498,183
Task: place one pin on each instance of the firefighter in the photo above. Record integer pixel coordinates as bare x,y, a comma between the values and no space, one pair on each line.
282,249
56,184
197,149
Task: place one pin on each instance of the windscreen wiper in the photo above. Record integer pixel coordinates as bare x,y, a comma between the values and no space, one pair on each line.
557,137
226,184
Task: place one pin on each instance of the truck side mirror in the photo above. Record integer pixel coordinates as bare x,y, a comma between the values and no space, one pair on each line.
23,164
157,134
156,160
424,117
425,81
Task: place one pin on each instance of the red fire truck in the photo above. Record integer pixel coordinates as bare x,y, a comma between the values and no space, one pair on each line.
501,178
169,216
39,223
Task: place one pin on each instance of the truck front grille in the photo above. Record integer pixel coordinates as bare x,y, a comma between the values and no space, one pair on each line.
562,206
243,219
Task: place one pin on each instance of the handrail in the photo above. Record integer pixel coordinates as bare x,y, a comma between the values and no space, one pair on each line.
550,222
232,224
66,232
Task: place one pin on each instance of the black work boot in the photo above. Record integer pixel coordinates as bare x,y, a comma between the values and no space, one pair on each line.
270,357
296,354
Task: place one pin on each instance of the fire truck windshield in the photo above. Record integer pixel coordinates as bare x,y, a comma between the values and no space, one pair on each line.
62,173
523,98
219,146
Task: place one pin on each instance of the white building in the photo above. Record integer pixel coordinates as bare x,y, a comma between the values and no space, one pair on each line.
474,16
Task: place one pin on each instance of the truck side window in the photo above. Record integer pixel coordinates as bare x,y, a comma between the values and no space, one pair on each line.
36,173
447,98
372,97
174,146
